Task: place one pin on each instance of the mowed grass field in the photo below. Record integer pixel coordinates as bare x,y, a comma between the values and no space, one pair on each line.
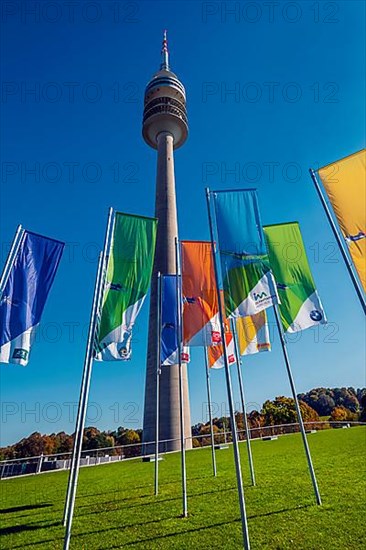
116,507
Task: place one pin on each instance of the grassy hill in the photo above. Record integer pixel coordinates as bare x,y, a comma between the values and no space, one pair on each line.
116,508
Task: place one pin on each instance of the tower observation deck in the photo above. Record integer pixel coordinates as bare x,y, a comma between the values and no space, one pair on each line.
165,128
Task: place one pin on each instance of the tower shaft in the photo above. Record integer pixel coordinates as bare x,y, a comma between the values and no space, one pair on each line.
165,262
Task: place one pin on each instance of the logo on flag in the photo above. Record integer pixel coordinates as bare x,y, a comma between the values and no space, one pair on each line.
315,315
215,337
20,354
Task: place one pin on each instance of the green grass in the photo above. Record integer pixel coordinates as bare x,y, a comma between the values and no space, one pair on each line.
116,508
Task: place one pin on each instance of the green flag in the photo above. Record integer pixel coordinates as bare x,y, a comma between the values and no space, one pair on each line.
300,306
127,281
247,280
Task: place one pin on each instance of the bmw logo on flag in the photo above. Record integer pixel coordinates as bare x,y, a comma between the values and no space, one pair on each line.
123,352
315,315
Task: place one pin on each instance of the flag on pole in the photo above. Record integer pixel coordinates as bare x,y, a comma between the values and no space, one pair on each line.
25,295
253,333
248,282
300,306
201,326
129,270
344,182
253,337
216,353
169,330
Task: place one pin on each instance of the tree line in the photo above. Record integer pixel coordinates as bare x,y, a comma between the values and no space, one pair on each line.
317,405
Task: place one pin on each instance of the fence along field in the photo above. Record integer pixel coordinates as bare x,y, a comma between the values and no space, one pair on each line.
94,457
116,507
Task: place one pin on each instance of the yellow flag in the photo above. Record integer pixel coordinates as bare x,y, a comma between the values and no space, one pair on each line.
253,333
345,184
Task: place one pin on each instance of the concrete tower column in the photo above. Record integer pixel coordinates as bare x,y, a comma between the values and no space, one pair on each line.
164,128
165,262
165,205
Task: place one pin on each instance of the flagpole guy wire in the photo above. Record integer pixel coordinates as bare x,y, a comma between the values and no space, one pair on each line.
158,372
242,396
181,396
340,242
244,521
208,385
14,249
297,405
85,386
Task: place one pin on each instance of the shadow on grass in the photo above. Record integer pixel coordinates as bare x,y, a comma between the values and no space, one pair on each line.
141,524
159,537
73,537
283,511
153,502
150,485
21,528
203,528
24,508
116,507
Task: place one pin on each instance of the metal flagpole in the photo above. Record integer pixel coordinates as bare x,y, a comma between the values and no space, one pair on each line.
88,364
242,395
74,471
239,480
340,242
15,245
181,397
81,398
210,412
299,416
83,381
158,372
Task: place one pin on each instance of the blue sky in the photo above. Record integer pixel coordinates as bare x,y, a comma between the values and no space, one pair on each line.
272,90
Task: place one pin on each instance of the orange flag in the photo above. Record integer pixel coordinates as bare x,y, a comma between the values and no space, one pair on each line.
201,325
216,353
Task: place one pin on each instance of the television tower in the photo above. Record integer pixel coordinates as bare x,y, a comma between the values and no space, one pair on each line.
165,128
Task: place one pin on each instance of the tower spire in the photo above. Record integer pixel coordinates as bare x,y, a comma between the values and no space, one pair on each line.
164,54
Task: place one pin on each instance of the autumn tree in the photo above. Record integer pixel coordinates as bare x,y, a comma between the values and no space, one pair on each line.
63,442
324,400
339,414
206,431
95,439
282,411
34,445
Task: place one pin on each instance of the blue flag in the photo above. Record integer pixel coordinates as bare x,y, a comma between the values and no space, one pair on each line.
247,279
169,321
25,295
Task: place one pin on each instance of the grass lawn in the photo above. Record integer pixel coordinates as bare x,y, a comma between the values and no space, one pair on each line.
116,508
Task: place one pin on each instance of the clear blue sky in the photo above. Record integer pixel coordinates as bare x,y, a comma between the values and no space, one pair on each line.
298,76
